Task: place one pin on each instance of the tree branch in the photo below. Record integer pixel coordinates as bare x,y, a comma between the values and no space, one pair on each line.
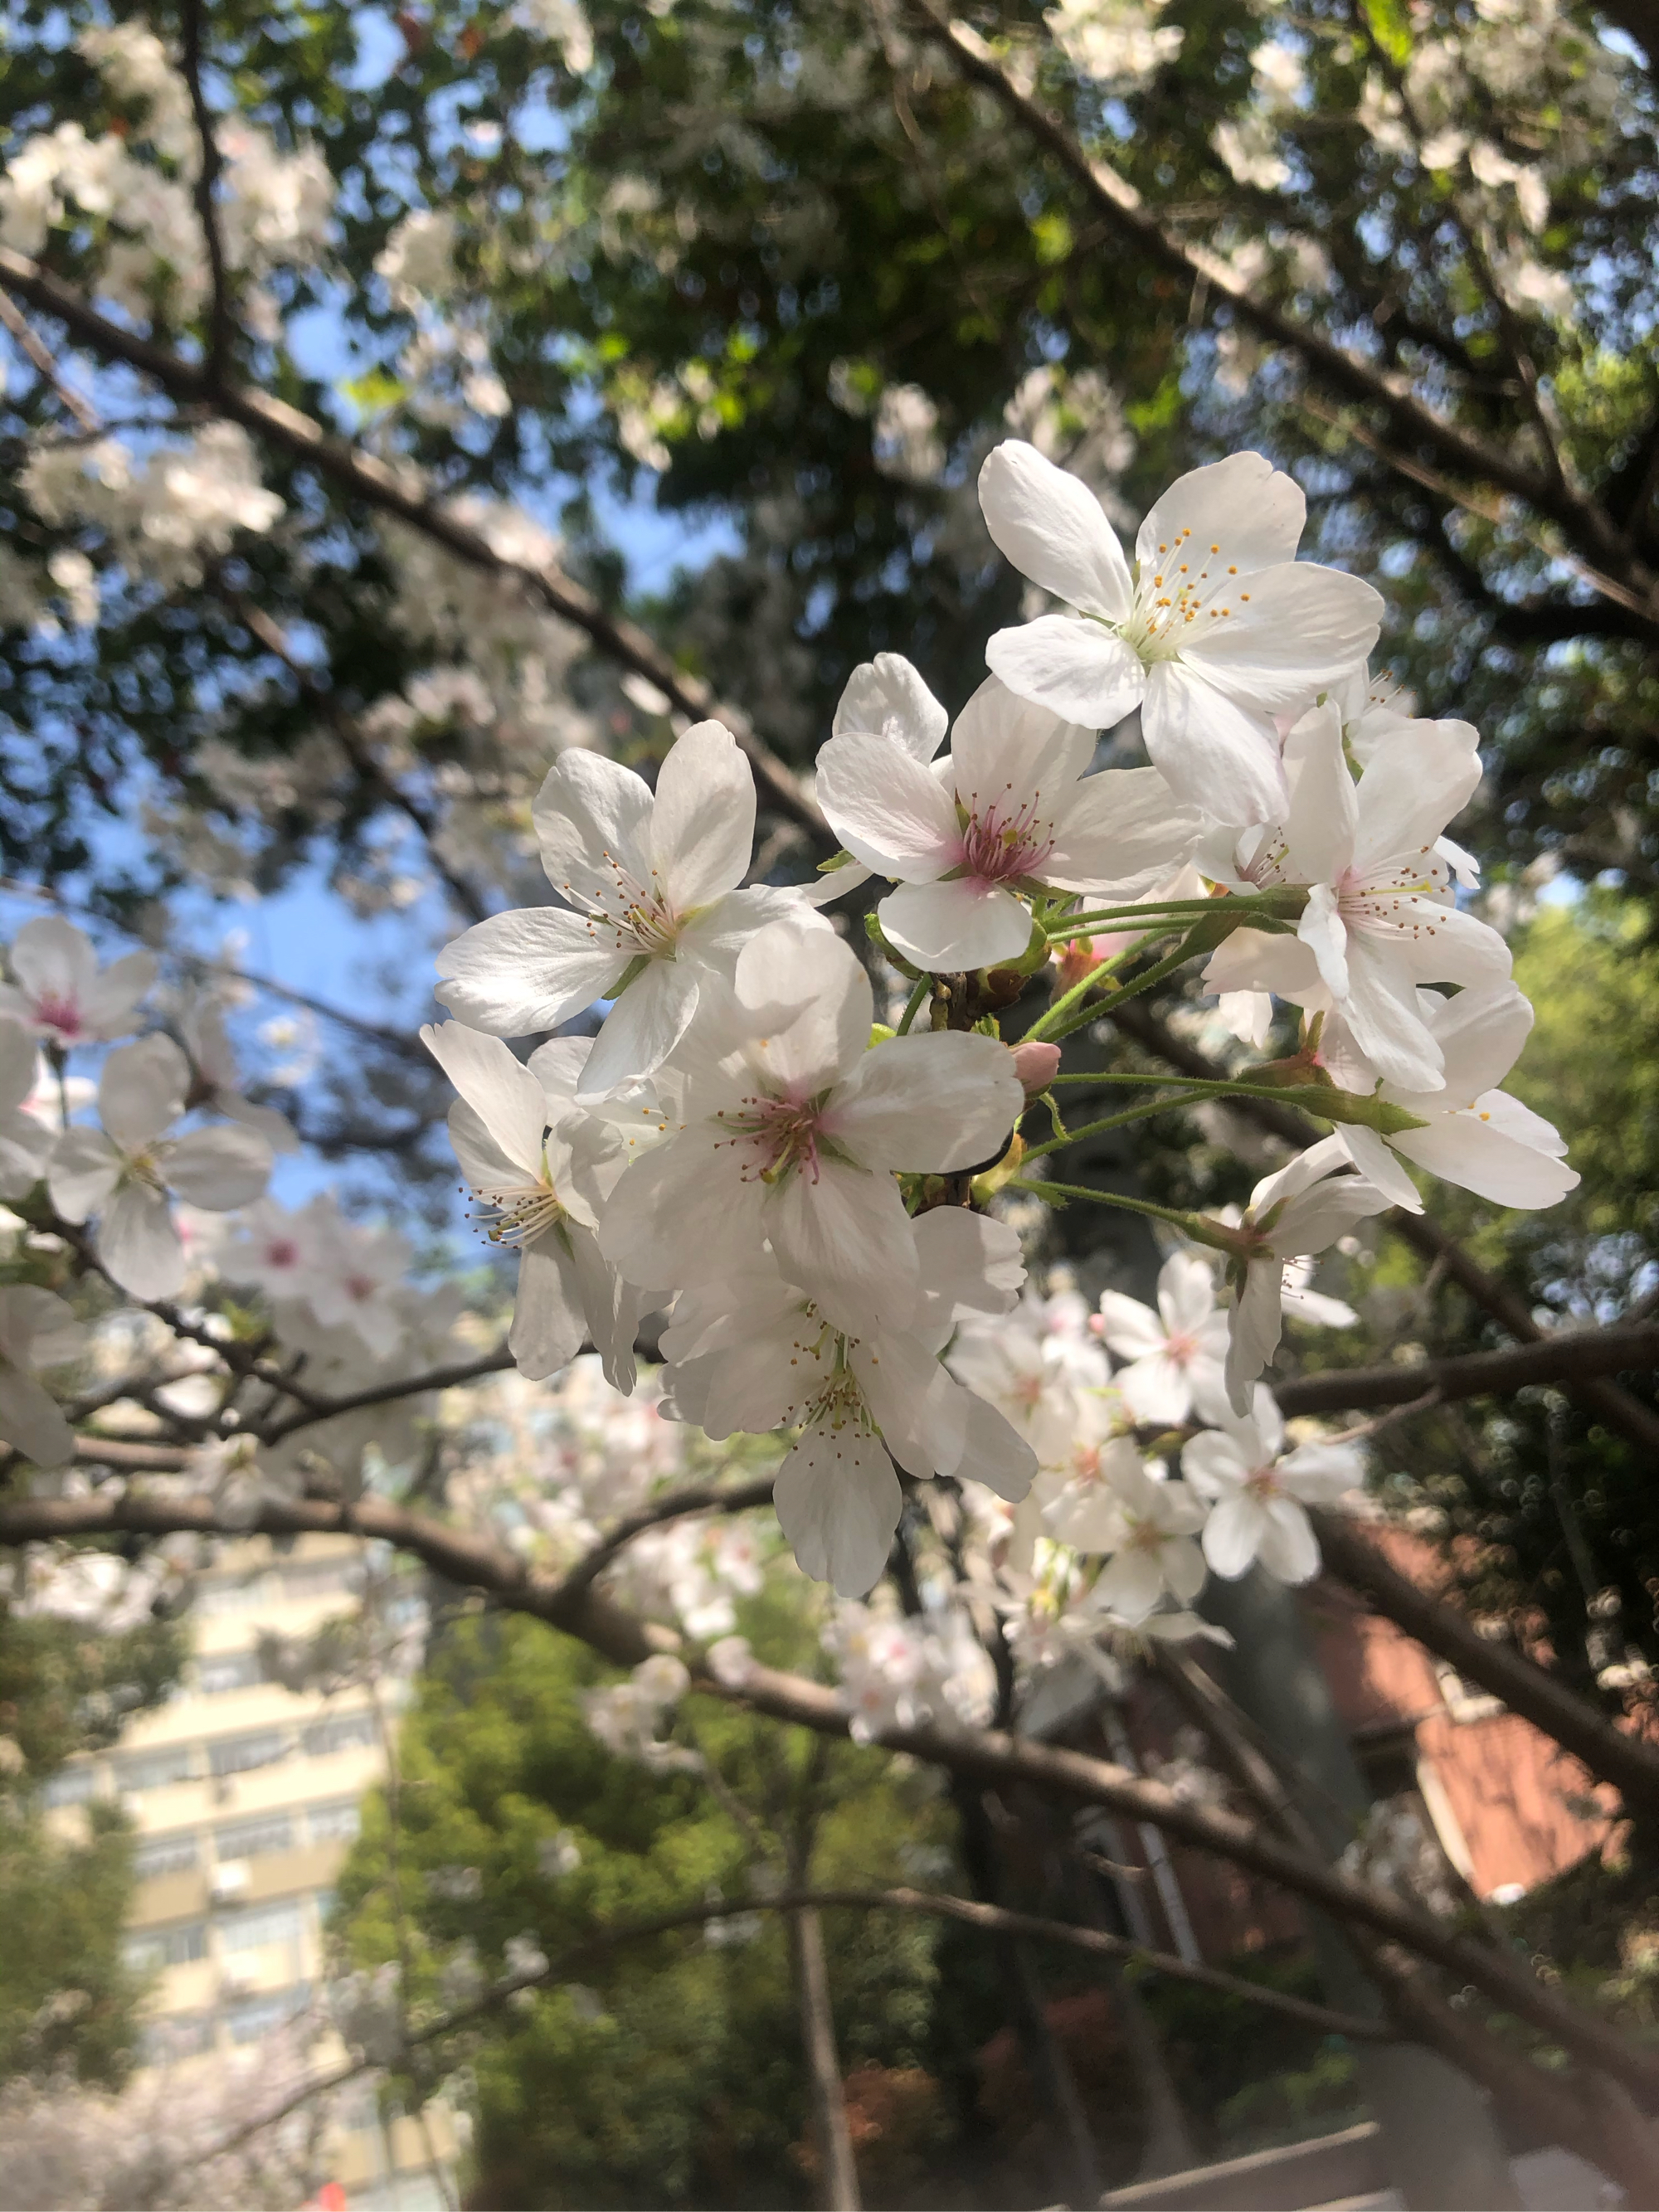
378,485
217,365
1345,373
1570,1357
991,1757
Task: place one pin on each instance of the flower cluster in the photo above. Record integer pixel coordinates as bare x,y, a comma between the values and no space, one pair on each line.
805,1190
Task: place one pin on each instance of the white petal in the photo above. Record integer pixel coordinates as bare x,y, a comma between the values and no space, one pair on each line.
1157,1389
593,817
1463,1149
25,1146
1252,960
1322,929
680,1214
529,969
503,1092
1250,512
838,1502
1070,665
1319,1474
1436,943
54,960
1125,832
813,991
1212,1463
845,1240
960,924
1185,1291
1212,752
221,1168
1052,529
936,1103
1411,789
1381,1008
1299,628
647,1021
971,1265
1481,1032
1324,814
143,1091
83,1171
920,1406
702,826
1007,752
139,1244
32,1421
1233,1534
996,1454
887,698
1377,1163
887,809
612,1307
1131,1329
547,1321
110,1003
1130,1585
1256,1324
1289,1549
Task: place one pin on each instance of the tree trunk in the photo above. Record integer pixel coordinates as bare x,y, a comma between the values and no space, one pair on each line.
838,2178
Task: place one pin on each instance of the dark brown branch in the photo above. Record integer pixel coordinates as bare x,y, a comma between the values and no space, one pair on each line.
1573,1356
217,365
991,1757
706,1497
1612,1755
364,476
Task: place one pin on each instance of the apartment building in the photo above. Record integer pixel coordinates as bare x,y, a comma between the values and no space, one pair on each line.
245,1796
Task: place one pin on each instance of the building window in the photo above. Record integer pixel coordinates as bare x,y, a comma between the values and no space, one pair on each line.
260,1924
240,1754
315,1577
343,1732
336,1823
154,1769
252,1594
73,1786
258,2016
254,1840
159,1855
152,1948
227,1670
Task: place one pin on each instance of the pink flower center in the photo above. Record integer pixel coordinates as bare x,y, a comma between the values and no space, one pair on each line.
60,1014
360,1288
1263,1483
1180,1348
999,848
282,1254
773,1137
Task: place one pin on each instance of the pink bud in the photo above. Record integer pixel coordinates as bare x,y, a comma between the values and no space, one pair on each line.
1037,1066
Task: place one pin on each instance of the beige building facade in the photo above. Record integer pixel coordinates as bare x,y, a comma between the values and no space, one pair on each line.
246,1797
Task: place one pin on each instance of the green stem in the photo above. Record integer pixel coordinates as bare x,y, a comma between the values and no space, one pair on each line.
913,1005
1040,1029
1190,1224
1069,925
1120,1120
1144,982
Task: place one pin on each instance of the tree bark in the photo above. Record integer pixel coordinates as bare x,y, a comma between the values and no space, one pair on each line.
838,2177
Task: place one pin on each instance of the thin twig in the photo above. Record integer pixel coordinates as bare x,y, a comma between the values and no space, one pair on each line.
218,363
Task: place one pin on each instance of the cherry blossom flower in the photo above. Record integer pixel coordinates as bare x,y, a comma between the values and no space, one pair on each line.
886,699
752,1355
214,1060
1040,1379
59,992
278,1250
541,1166
25,1140
356,1285
1147,1526
124,1171
1302,1208
37,1329
1381,917
654,907
791,1130
1259,1491
1016,813
1476,1135
1219,629
1169,1350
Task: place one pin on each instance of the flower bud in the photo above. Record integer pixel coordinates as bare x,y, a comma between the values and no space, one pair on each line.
1037,1066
